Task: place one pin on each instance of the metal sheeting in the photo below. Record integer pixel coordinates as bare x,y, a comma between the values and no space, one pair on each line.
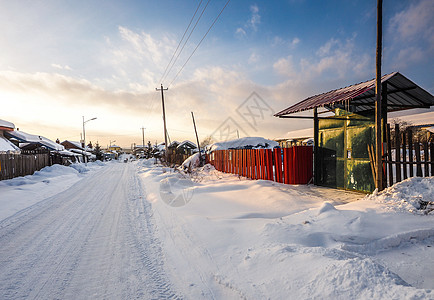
402,94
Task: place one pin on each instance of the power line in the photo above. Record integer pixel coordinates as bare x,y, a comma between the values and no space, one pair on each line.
192,18
177,74
191,32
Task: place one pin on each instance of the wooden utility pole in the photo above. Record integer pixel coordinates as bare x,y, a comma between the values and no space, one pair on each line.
378,128
197,138
143,137
164,119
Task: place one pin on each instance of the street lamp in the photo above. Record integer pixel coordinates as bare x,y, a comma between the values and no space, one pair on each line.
84,137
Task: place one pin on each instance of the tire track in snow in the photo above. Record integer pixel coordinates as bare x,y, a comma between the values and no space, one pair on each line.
85,243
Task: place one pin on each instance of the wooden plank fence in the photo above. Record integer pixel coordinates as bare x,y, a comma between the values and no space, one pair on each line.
288,165
15,165
407,157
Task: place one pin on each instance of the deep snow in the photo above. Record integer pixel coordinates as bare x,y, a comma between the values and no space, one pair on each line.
224,237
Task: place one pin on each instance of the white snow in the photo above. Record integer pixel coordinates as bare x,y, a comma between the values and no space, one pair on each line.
6,145
31,138
253,142
21,192
6,124
210,235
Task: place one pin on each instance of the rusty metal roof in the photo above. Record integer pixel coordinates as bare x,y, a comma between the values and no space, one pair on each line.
402,94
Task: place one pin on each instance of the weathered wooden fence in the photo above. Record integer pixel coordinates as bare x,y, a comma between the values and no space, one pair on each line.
406,156
15,165
286,165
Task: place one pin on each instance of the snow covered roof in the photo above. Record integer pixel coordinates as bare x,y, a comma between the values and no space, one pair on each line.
297,134
243,143
7,146
30,138
76,144
187,143
78,151
174,144
6,124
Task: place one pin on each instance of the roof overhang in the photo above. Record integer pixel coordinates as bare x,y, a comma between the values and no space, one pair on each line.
401,92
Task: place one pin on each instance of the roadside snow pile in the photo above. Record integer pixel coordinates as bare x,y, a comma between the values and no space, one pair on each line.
415,195
193,161
21,192
244,143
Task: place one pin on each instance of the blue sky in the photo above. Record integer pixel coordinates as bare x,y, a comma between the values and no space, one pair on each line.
60,60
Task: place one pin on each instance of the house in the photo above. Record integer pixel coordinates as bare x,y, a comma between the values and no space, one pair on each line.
344,127
78,152
186,148
5,145
27,141
114,148
296,138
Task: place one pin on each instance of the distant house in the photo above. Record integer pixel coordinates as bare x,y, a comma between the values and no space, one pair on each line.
78,151
186,148
27,141
114,148
299,137
71,145
5,144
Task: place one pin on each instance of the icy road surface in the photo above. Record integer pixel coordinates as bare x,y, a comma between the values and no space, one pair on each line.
94,240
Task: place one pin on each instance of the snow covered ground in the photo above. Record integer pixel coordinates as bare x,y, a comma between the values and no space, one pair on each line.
136,230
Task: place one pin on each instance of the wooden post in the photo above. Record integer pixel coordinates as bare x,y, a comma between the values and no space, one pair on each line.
431,150
426,155
316,156
410,151
397,153
197,139
378,105
389,157
404,155
418,160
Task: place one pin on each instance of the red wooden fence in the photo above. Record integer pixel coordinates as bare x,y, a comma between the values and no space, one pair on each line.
288,165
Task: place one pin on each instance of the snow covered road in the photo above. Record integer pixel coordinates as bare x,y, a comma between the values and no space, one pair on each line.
93,240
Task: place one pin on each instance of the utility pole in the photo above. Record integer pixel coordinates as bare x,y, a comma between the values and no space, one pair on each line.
378,114
197,139
143,137
164,119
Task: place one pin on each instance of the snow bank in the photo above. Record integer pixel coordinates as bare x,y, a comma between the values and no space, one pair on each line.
415,195
193,161
21,192
237,238
246,142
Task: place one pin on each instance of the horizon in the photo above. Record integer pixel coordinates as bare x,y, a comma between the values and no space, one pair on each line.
62,61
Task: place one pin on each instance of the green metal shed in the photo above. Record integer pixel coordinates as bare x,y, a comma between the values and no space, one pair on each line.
342,135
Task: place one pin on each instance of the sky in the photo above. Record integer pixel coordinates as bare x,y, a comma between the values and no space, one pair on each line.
61,61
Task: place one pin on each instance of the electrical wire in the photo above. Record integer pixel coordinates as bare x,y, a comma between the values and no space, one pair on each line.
183,46
179,44
188,59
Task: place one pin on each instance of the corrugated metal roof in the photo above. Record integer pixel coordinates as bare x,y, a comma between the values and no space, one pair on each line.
402,94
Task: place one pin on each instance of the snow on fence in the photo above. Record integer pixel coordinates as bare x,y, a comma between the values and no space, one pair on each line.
286,165
15,165
406,156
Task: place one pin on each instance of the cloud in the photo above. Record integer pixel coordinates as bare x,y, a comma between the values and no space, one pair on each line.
240,32
414,21
413,34
255,18
60,67
71,91
251,24
285,66
334,58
